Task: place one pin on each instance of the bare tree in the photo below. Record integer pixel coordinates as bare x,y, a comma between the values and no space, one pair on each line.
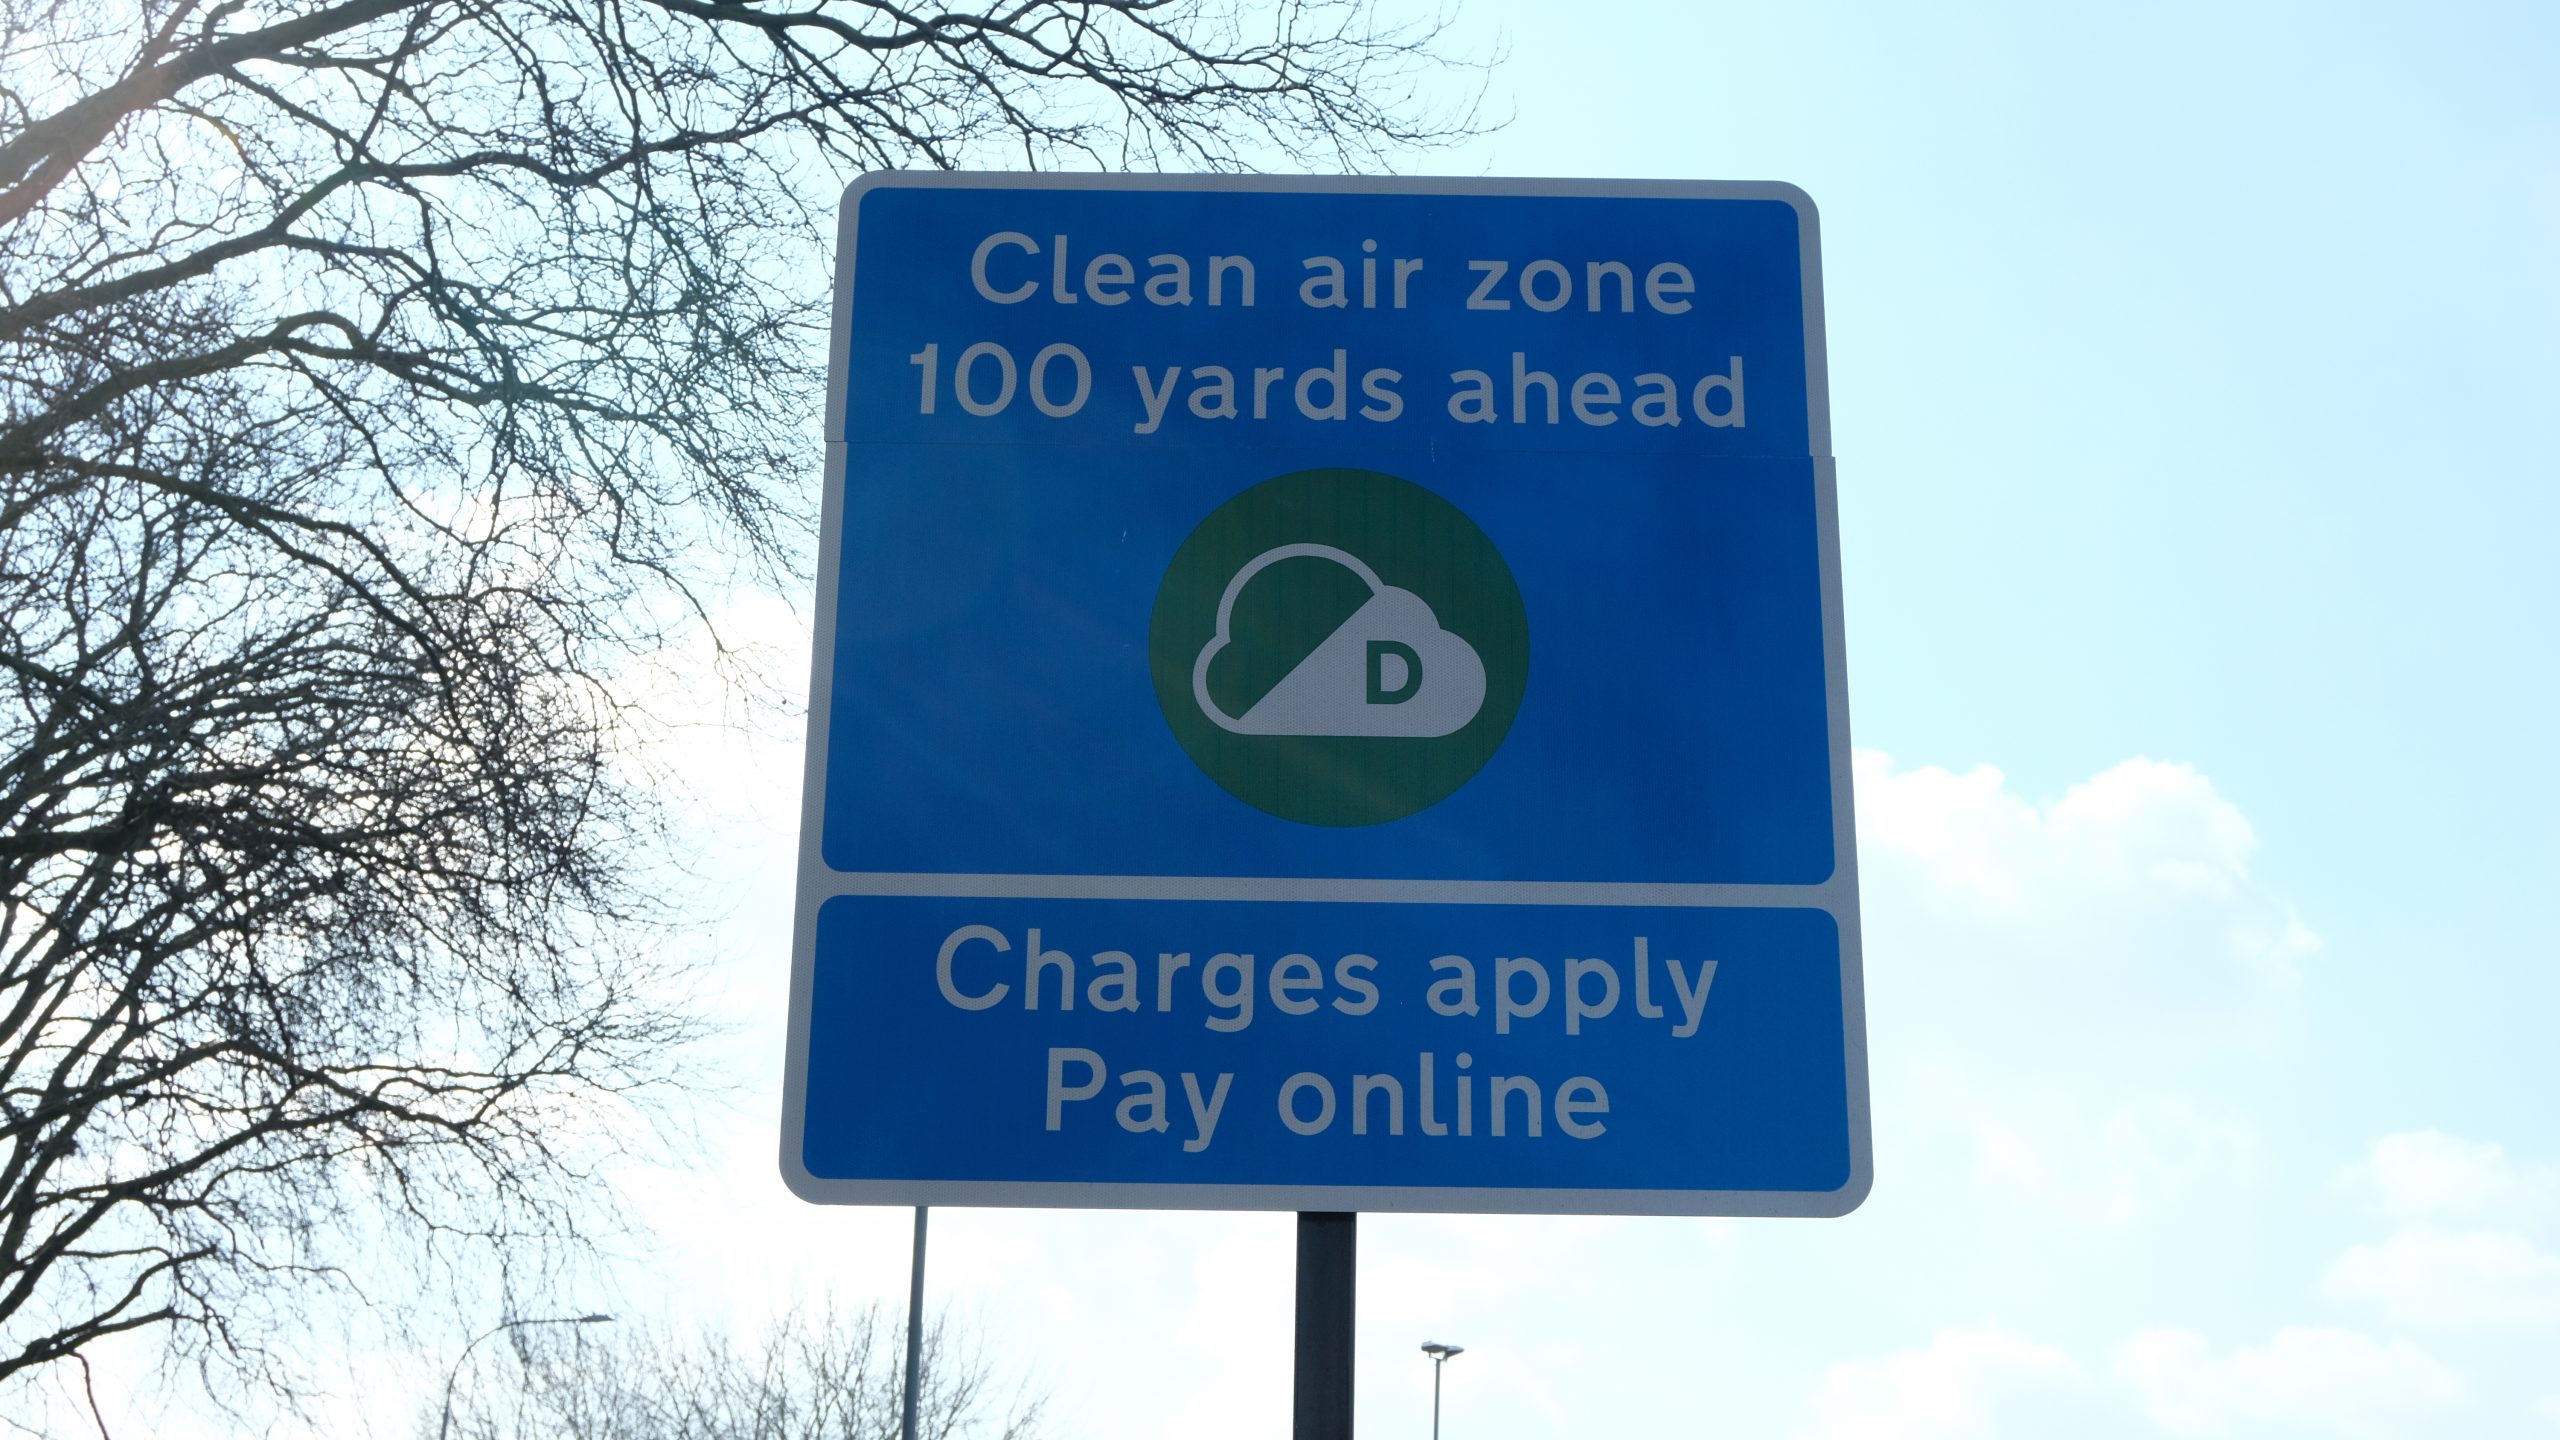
378,380
827,1376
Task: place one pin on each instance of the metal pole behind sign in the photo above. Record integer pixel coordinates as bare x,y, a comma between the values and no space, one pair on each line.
1328,1271
915,1336
1436,1368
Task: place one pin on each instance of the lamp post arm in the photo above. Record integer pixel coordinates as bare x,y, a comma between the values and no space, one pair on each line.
444,1423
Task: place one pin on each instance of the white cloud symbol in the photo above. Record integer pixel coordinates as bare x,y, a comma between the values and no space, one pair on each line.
1389,670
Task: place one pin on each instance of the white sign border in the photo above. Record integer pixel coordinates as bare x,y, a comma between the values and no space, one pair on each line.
1837,896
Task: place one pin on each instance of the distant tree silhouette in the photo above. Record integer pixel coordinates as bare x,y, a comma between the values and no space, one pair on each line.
822,1376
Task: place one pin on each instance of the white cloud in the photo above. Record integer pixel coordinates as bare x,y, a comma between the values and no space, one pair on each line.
1956,1385
1988,1384
2070,995
2427,1173
2481,1280
2125,910
2109,1164
2548,1408
2323,1382
2141,821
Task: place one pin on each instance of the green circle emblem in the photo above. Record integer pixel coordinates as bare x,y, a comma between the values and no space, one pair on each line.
1339,647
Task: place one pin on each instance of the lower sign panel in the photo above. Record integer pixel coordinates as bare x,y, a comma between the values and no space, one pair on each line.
1601,1059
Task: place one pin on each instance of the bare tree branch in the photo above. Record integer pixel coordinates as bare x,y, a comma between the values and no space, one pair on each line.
380,382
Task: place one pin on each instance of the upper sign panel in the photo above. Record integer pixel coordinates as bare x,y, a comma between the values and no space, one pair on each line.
1047,390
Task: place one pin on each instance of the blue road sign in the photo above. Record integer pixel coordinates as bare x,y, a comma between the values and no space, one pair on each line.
1329,696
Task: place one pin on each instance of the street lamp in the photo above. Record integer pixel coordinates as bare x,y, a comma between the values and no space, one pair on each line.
444,1426
1440,1355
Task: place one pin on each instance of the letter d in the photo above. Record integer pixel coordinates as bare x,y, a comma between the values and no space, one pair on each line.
1379,694
1731,385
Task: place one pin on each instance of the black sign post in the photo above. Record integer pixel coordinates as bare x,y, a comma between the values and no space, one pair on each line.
1328,1274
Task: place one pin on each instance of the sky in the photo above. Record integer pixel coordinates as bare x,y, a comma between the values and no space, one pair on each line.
2192,378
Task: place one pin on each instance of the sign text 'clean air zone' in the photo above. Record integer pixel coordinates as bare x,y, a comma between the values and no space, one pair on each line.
1328,696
